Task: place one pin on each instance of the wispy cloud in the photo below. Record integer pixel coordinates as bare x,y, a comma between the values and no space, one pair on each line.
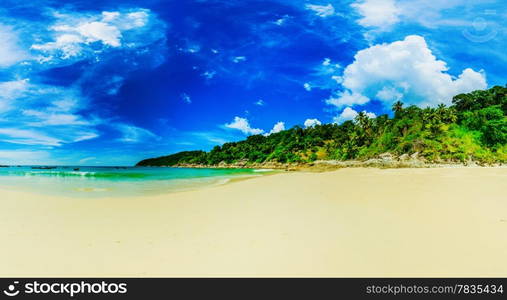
238,59
39,111
321,10
27,137
134,134
260,102
75,34
186,98
25,157
11,52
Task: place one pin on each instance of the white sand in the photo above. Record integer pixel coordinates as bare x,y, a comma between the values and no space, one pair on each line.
351,222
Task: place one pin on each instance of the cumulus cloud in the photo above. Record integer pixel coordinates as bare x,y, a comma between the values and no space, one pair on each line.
321,10
347,98
312,122
346,115
349,114
243,125
377,13
307,86
280,126
404,70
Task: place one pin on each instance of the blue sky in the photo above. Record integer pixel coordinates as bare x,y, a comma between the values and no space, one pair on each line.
119,81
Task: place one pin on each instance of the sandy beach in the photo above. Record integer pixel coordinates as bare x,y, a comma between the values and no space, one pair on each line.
350,222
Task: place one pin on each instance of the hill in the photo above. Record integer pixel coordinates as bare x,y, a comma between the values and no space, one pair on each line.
473,128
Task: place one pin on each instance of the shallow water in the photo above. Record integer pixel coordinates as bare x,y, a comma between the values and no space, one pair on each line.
114,181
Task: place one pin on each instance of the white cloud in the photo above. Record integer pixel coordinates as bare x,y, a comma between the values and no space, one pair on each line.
193,49
27,137
238,59
108,16
326,75
321,10
370,115
135,19
186,98
377,13
312,122
10,91
99,31
282,20
74,33
134,134
87,159
260,102
53,119
243,125
349,114
84,136
24,157
280,126
346,115
37,114
209,74
404,70
10,51
347,98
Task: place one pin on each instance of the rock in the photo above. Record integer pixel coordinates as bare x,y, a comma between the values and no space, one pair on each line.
386,156
404,157
415,155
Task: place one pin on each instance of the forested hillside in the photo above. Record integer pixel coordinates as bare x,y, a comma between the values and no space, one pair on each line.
473,128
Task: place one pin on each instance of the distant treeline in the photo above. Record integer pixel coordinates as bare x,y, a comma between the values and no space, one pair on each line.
473,128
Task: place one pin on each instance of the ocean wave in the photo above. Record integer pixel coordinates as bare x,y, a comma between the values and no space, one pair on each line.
263,170
86,174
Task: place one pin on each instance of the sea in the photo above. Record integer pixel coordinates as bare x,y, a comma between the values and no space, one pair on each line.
82,181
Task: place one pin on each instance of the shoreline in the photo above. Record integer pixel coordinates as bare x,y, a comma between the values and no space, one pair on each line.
351,222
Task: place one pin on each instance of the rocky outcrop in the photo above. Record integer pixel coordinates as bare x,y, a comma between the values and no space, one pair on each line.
384,160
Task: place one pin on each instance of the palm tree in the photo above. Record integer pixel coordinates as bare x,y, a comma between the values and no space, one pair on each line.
397,108
361,118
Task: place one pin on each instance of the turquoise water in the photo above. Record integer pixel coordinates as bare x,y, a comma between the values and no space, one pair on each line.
114,181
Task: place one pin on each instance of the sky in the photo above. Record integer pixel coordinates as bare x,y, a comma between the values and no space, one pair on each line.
115,82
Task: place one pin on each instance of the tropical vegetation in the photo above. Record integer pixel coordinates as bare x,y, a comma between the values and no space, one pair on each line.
473,128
